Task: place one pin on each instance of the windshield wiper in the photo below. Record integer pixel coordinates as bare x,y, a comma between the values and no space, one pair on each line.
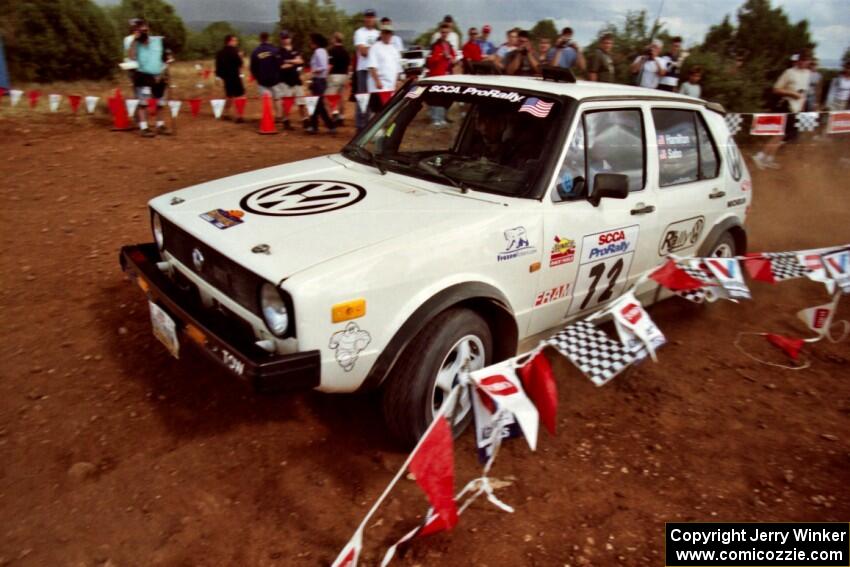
424,165
371,158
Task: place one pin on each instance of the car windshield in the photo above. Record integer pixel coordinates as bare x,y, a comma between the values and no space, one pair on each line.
471,137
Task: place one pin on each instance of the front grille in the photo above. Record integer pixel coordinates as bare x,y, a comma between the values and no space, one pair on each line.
241,285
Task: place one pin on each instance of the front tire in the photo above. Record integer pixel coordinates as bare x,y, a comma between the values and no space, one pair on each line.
723,247
430,366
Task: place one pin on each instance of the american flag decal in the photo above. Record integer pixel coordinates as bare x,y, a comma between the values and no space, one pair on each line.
536,107
415,92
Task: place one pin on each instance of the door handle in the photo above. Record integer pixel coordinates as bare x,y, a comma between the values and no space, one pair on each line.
716,194
643,209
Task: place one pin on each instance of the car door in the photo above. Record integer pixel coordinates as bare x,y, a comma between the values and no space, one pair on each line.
592,253
692,191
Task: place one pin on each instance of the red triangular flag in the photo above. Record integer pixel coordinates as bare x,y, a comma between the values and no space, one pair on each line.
385,96
152,107
239,104
33,96
434,468
759,268
74,101
195,106
539,383
675,278
288,101
333,101
790,346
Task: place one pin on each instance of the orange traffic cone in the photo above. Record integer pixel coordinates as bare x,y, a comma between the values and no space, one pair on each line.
267,121
120,120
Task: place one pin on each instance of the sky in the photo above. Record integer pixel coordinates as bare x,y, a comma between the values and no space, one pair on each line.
829,19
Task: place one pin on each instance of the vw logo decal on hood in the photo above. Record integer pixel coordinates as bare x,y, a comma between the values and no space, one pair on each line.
295,198
197,259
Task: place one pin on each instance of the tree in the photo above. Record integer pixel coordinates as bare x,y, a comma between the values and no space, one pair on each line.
53,40
630,41
544,28
303,17
161,18
207,42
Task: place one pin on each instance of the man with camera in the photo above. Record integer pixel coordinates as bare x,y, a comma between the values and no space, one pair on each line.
522,60
672,62
649,67
149,77
566,53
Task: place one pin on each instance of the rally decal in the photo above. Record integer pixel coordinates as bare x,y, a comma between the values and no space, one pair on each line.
733,156
680,235
476,91
348,344
606,258
222,219
516,244
563,251
551,295
296,198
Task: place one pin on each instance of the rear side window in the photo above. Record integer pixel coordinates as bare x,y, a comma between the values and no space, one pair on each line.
686,151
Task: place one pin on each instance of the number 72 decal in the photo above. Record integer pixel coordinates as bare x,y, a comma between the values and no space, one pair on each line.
601,281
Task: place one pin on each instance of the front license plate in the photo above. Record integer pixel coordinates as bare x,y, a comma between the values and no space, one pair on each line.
164,329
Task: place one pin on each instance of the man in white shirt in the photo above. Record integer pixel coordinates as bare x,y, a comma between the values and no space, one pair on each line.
397,42
792,87
364,38
384,68
453,38
838,95
649,67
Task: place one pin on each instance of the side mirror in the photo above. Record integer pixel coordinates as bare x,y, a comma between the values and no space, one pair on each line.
609,186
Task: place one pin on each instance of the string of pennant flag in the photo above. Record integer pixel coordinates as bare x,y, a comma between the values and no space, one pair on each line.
217,105
756,124
514,397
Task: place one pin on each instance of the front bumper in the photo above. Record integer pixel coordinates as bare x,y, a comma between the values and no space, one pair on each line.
221,341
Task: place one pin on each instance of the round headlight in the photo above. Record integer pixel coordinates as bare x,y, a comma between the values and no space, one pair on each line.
274,310
158,235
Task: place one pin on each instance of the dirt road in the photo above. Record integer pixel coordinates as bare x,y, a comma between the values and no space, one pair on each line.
112,453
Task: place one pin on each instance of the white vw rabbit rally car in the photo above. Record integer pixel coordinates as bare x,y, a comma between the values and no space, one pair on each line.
419,252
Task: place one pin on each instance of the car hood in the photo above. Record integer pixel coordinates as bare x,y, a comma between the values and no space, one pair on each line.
312,211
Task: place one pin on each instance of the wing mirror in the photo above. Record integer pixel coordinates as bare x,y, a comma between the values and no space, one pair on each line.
609,186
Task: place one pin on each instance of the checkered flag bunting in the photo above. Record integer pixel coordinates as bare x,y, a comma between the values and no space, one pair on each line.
694,295
785,266
807,121
597,356
734,122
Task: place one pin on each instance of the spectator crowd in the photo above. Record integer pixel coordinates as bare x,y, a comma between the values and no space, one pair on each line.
374,70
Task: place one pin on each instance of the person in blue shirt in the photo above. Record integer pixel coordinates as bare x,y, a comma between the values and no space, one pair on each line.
265,67
487,47
566,53
149,77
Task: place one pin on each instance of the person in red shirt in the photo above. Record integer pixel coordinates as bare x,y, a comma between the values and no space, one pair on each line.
471,50
440,62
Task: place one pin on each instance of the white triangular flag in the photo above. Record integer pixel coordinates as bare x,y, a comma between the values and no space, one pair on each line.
310,102
362,101
217,106
728,272
15,96
818,318
53,101
487,421
503,387
91,103
132,104
174,106
811,259
630,315
837,266
351,552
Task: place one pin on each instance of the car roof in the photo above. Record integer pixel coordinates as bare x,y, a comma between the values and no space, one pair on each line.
580,90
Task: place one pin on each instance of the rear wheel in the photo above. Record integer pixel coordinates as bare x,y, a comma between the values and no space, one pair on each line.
723,247
456,340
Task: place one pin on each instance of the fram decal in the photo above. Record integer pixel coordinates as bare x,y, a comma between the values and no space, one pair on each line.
563,252
516,244
680,235
551,295
609,243
347,345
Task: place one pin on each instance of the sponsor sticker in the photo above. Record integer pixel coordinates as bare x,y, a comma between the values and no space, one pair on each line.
476,91
736,202
516,244
551,295
347,345
680,235
610,243
839,122
223,219
563,251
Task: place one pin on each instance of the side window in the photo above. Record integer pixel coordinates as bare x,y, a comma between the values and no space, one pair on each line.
615,144
570,184
709,164
678,153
